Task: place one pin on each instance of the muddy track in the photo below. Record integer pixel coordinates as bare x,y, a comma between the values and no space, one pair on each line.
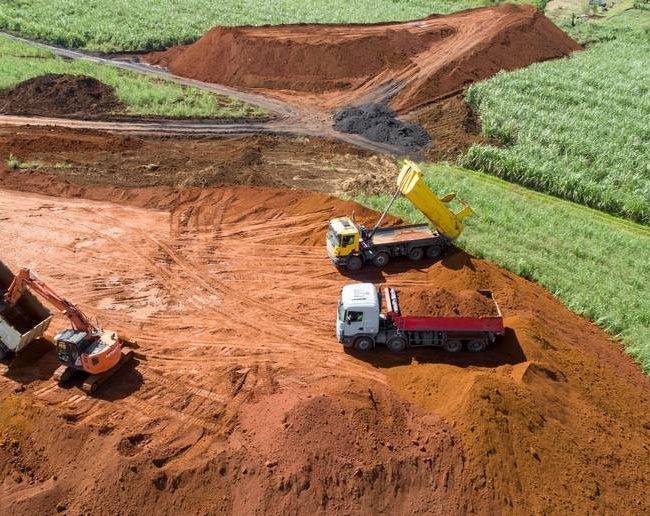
291,119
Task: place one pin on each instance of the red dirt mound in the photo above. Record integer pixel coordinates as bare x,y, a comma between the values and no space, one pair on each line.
55,94
420,60
441,302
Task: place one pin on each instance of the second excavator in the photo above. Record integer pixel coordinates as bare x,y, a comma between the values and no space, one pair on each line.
350,245
84,347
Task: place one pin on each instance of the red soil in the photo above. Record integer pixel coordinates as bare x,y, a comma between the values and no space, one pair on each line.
333,65
440,302
243,402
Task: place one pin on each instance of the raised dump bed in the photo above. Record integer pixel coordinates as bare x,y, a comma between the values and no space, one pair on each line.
22,323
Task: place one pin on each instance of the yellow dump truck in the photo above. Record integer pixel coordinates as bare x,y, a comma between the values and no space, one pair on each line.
350,245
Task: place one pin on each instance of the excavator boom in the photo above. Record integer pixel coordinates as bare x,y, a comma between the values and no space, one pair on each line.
448,223
25,279
84,347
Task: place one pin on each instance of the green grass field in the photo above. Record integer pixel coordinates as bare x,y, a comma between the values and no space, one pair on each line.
594,263
153,24
141,94
577,127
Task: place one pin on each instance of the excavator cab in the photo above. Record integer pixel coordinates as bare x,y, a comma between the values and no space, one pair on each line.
343,237
69,345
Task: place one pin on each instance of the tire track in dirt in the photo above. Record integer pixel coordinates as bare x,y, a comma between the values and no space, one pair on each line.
176,258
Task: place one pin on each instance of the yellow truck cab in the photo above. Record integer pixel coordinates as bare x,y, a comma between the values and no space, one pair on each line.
343,238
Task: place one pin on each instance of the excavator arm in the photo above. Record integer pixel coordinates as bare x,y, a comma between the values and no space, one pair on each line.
25,279
412,186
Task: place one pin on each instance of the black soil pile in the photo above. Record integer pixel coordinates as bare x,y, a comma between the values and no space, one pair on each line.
55,94
378,123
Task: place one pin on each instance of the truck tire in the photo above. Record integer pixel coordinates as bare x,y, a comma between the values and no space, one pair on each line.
363,344
381,259
453,346
416,254
434,251
3,351
396,344
476,345
354,264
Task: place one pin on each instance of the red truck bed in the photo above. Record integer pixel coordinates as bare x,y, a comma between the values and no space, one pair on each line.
459,324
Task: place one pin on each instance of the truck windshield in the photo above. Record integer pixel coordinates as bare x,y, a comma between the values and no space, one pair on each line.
332,237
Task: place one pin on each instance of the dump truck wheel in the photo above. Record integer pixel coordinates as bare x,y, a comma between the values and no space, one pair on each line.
363,344
476,345
434,251
416,254
354,263
381,260
453,346
396,344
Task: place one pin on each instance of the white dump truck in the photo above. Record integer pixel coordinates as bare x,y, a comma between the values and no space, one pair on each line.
361,324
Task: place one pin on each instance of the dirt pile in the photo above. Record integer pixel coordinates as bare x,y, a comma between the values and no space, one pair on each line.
377,122
58,94
440,302
409,63
259,410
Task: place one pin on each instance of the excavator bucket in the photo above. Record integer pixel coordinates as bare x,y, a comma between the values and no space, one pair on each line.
413,187
22,323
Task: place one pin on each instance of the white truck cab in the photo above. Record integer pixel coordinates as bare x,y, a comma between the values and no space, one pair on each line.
358,313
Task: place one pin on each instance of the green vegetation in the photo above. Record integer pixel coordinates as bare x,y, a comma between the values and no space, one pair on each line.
153,24
595,264
13,163
577,127
142,95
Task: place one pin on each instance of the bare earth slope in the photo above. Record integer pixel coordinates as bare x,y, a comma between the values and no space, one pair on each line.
334,65
243,401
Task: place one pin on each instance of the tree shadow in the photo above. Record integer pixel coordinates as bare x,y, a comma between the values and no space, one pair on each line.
505,351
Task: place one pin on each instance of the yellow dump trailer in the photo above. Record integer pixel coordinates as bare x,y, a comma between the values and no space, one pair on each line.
412,186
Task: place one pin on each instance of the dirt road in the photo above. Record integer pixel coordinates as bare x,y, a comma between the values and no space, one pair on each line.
243,401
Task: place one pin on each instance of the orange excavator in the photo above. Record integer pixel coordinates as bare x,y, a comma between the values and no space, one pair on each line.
84,347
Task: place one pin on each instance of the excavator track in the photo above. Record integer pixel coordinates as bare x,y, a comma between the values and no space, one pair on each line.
94,381
63,374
